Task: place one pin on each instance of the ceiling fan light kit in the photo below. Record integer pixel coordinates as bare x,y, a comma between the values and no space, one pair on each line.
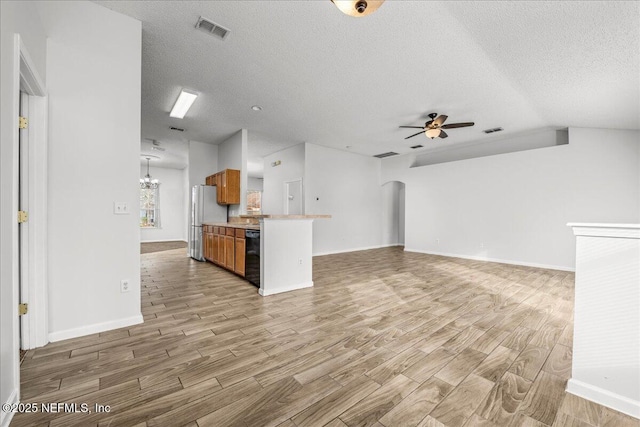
434,127
432,133
357,8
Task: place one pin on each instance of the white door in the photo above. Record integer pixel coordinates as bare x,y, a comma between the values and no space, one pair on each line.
293,197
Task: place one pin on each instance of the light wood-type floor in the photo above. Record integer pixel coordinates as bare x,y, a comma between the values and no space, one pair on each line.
385,338
148,247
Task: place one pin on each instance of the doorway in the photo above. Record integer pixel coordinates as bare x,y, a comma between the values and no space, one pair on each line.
23,227
393,213
293,203
31,197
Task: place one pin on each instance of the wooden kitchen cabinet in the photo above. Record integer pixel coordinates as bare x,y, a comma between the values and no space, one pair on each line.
226,247
228,186
207,237
215,238
229,252
241,245
218,243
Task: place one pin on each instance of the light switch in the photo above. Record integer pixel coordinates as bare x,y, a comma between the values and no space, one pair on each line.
120,208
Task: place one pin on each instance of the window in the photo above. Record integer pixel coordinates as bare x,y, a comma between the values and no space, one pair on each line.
149,208
254,202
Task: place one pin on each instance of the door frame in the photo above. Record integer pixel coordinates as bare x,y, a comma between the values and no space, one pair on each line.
32,188
286,195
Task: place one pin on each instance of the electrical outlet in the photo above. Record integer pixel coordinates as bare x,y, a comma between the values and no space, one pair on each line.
120,208
124,285
300,262
438,241
481,245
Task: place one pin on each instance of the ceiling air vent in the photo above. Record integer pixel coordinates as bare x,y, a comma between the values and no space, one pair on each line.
212,28
417,146
175,128
387,154
492,130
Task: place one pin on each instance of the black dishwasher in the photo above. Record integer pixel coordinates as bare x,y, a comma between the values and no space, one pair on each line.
252,260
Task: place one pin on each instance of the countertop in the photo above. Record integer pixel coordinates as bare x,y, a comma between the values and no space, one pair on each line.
269,216
234,225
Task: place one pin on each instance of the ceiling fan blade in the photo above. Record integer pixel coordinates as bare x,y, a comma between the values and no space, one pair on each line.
457,125
415,134
443,134
440,120
412,127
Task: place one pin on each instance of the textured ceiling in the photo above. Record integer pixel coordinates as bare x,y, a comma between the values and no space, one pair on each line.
167,154
329,79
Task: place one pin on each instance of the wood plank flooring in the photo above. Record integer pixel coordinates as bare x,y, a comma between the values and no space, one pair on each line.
384,338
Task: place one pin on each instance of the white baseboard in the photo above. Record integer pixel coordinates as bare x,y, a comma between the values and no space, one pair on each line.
501,261
163,240
95,328
6,417
604,397
365,248
285,289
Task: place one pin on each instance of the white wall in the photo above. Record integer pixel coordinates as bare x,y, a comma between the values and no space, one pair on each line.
172,210
514,207
233,155
203,161
255,184
94,161
22,18
291,168
346,186
605,366
495,145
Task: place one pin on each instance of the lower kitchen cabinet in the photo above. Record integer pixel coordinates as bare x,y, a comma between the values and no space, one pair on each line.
207,240
229,252
215,257
226,247
241,246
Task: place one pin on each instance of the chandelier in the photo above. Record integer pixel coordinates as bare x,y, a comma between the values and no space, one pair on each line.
147,183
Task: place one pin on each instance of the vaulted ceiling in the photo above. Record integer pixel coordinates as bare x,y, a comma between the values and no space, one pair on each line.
326,78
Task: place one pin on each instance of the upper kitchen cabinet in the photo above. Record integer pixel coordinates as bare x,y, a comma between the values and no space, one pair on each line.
228,186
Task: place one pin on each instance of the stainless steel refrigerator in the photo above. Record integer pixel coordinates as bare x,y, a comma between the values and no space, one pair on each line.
204,209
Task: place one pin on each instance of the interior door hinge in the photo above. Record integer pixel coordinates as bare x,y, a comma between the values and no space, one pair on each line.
23,309
22,122
22,217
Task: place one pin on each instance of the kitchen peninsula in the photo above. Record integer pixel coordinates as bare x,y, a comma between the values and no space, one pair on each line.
285,252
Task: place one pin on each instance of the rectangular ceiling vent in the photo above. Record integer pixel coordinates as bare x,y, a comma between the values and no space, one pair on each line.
387,154
212,28
417,146
492,130
175,128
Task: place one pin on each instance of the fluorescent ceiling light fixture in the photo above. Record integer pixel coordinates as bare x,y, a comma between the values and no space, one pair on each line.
182,105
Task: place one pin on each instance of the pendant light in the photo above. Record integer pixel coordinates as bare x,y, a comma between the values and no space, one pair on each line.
147,183
357,8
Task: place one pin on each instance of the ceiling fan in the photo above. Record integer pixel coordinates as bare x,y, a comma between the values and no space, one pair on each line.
434,127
